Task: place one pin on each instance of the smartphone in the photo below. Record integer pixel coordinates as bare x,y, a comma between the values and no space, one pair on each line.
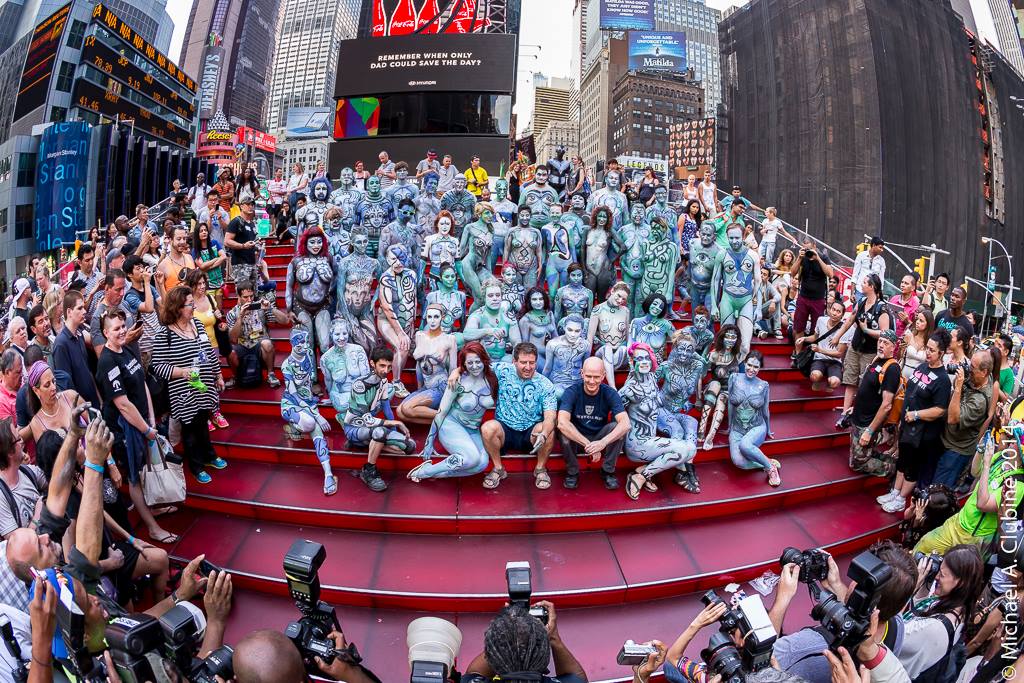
205,567
137,324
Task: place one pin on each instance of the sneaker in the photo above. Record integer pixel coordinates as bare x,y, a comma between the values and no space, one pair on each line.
371,477
219,463
229,383
611,482
219,420
210,426
400,390
571,481
896,504
886,497
272,381
204,477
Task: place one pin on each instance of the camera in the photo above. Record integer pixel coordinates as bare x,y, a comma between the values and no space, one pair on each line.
217,663
813,563
520,588
310,633
810,253
846,625
751,619
632,654
723,659
934,562
433,647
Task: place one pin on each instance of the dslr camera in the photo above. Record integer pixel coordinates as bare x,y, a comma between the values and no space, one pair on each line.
934,562
520,588
845,625
751,619
813,563
310,632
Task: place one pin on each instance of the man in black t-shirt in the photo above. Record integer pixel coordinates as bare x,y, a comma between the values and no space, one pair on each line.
592,420
240,241
871,406
814,269
954,316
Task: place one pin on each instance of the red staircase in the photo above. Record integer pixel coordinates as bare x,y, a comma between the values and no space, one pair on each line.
615,568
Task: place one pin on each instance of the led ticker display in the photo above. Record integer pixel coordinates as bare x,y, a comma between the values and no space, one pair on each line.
104,17
42,56
109,102
120,67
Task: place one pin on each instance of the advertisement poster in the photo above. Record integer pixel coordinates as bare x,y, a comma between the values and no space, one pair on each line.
60,184
657,51
627,15
402,17
308,122
692,143
39,63
416,63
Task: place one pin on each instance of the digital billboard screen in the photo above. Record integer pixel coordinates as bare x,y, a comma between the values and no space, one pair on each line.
61,175
402,17
657,51
109,102
422,63
308,122
627,15
39,63
692,143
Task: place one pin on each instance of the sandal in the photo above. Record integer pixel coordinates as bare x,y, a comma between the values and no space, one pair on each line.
773,477
541,479
649,485
414,476
494,478
161,511
166,538
330,485
634,483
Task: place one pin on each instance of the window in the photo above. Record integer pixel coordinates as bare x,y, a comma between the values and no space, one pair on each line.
65,76
76,34
58,114
26,169
23,222
3,219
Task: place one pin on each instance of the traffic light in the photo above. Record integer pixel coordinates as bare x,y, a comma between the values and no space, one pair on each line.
921,266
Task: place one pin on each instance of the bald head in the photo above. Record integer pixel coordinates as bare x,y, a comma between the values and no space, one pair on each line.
267,657
593,374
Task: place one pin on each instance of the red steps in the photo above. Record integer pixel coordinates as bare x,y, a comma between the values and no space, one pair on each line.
291,494
576,569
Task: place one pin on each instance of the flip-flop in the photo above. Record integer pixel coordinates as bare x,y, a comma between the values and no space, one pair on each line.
161,511
541,479
166,539
634,483
649,485
773,477
413,476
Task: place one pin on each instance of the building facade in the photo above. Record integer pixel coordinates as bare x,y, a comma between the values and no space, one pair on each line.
306,152
700,24
595,101
645,105
306,60
556,134
549,104
149,19
1004,18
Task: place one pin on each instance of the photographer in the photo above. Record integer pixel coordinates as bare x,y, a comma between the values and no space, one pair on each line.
800,653
267,656
935,622
968,412
869,320
814,270
517,643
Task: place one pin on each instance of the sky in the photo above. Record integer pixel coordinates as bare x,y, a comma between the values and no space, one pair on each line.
544,33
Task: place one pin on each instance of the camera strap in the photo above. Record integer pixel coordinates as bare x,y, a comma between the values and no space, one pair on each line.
11,643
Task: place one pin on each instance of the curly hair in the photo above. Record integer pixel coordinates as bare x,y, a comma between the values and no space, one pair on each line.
516,642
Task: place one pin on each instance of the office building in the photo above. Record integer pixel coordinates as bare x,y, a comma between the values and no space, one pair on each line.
549,104
228,47
700,24
645,105
595,100
308,152
1004,17
306,60
556,134
148,18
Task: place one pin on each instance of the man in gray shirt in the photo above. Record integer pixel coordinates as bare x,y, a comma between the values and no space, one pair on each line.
447,174
386,171
426,166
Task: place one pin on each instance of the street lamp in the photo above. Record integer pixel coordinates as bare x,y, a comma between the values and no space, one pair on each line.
1009,259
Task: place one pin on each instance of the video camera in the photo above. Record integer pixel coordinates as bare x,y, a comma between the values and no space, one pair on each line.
843,624
520,588
310,633
750,618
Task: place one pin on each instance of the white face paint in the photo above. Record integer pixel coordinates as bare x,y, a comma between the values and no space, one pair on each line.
752,367
339,334
444,225
433,318
573,332
508,276
537,301
642,362
492,298
314,245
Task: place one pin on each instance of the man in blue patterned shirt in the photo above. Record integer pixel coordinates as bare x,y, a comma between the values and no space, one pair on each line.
525,416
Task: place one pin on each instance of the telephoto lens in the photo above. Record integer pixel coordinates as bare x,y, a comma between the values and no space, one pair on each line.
723,659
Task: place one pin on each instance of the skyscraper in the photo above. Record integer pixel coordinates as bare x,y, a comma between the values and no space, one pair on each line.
306,60
148,18
1003,17
228,48
700,24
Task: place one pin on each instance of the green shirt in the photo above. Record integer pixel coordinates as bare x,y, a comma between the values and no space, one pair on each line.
978,523
962,436
1006,381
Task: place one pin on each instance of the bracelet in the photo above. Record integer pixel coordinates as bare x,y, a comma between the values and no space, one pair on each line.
110,462
48,665
877,659
94,467
131,539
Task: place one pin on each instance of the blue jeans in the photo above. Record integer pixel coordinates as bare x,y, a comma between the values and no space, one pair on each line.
951,464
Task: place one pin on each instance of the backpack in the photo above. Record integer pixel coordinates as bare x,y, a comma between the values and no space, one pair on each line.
948,667
6,492
897,400
250,370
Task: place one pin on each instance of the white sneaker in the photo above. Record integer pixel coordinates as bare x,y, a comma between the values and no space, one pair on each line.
886,497
897,504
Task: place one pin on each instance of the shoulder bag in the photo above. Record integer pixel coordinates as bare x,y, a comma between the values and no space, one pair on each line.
163,481
803,360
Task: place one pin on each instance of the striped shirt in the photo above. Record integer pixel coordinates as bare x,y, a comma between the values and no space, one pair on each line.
171,350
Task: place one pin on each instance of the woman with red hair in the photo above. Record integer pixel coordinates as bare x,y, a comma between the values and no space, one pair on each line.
458,419
310,282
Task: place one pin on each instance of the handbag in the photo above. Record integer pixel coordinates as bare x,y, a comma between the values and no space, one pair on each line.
805,357
163,481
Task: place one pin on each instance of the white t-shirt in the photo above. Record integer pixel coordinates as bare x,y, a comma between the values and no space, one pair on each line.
833,342
21,624
925,641
771,229
295,181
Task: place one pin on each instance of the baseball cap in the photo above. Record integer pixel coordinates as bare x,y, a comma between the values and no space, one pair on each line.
20,285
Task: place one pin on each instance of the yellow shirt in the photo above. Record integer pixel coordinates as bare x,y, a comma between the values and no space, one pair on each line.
476,179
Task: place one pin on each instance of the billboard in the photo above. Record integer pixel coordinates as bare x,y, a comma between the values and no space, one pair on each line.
633,167
308,122
110,103
39,63
356,117
420,63
104,17
657,51
257,138
61,175
627,15
692,143
402,17
209,80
